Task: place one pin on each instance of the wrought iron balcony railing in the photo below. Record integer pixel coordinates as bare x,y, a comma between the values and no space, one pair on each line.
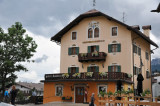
83,76
98,56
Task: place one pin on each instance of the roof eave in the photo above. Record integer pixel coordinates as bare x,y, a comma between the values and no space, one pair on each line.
57,37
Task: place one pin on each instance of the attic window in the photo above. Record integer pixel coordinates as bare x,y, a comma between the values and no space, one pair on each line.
93,30
90,33
114,31
74,35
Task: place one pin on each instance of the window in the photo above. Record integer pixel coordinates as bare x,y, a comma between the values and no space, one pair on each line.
90,33
102,88
114,31
96,32
92,49
114,68
73,51
136,70
114,48
139,51
73,70
74,35
147,74
59,90
134,49
93,69
93,29
147,56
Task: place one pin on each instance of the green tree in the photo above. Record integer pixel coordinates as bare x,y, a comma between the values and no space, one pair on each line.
16,47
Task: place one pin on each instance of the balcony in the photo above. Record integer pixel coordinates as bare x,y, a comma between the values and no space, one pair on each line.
85,57
110,76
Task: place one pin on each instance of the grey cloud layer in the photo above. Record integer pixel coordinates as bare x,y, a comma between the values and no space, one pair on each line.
40,59
47,17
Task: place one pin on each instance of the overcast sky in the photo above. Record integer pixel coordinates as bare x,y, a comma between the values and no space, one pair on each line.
44,18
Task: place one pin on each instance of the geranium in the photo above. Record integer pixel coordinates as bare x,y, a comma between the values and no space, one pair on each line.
76,75
66,75
129,75
89,74
103,74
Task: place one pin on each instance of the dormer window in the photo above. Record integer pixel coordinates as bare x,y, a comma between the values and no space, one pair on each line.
114,31
74,35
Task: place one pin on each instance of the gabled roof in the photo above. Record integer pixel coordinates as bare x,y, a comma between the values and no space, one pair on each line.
37,86
94,13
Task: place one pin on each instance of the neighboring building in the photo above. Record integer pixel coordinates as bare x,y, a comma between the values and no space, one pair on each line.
27,87
95,42
156,87
156,84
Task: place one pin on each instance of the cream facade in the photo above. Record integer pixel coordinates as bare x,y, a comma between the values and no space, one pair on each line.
95,42
124,58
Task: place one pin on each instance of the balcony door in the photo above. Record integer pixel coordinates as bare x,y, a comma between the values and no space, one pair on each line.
92,49
73,70
93,69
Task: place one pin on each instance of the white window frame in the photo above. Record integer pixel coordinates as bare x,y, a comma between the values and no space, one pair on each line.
76,36
93,31
117,31
56,89
103,86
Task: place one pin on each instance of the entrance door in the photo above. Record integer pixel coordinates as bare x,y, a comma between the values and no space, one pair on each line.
79,95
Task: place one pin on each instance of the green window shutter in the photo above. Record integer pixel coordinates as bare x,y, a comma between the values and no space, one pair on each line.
109,48
97,48
69,69
77,50
109,68
97,68
89,49
88,69
69,51
119,47
77,69
119,68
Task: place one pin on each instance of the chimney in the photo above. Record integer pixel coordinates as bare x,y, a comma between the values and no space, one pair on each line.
146,30
136,27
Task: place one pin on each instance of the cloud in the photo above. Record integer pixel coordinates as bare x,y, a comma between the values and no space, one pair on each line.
29,77
48,17
156,51
47,60
40,59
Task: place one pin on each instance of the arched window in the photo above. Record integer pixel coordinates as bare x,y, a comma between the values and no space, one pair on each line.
96,32
90,33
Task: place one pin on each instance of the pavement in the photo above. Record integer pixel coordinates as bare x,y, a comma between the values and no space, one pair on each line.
5,104
49,104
